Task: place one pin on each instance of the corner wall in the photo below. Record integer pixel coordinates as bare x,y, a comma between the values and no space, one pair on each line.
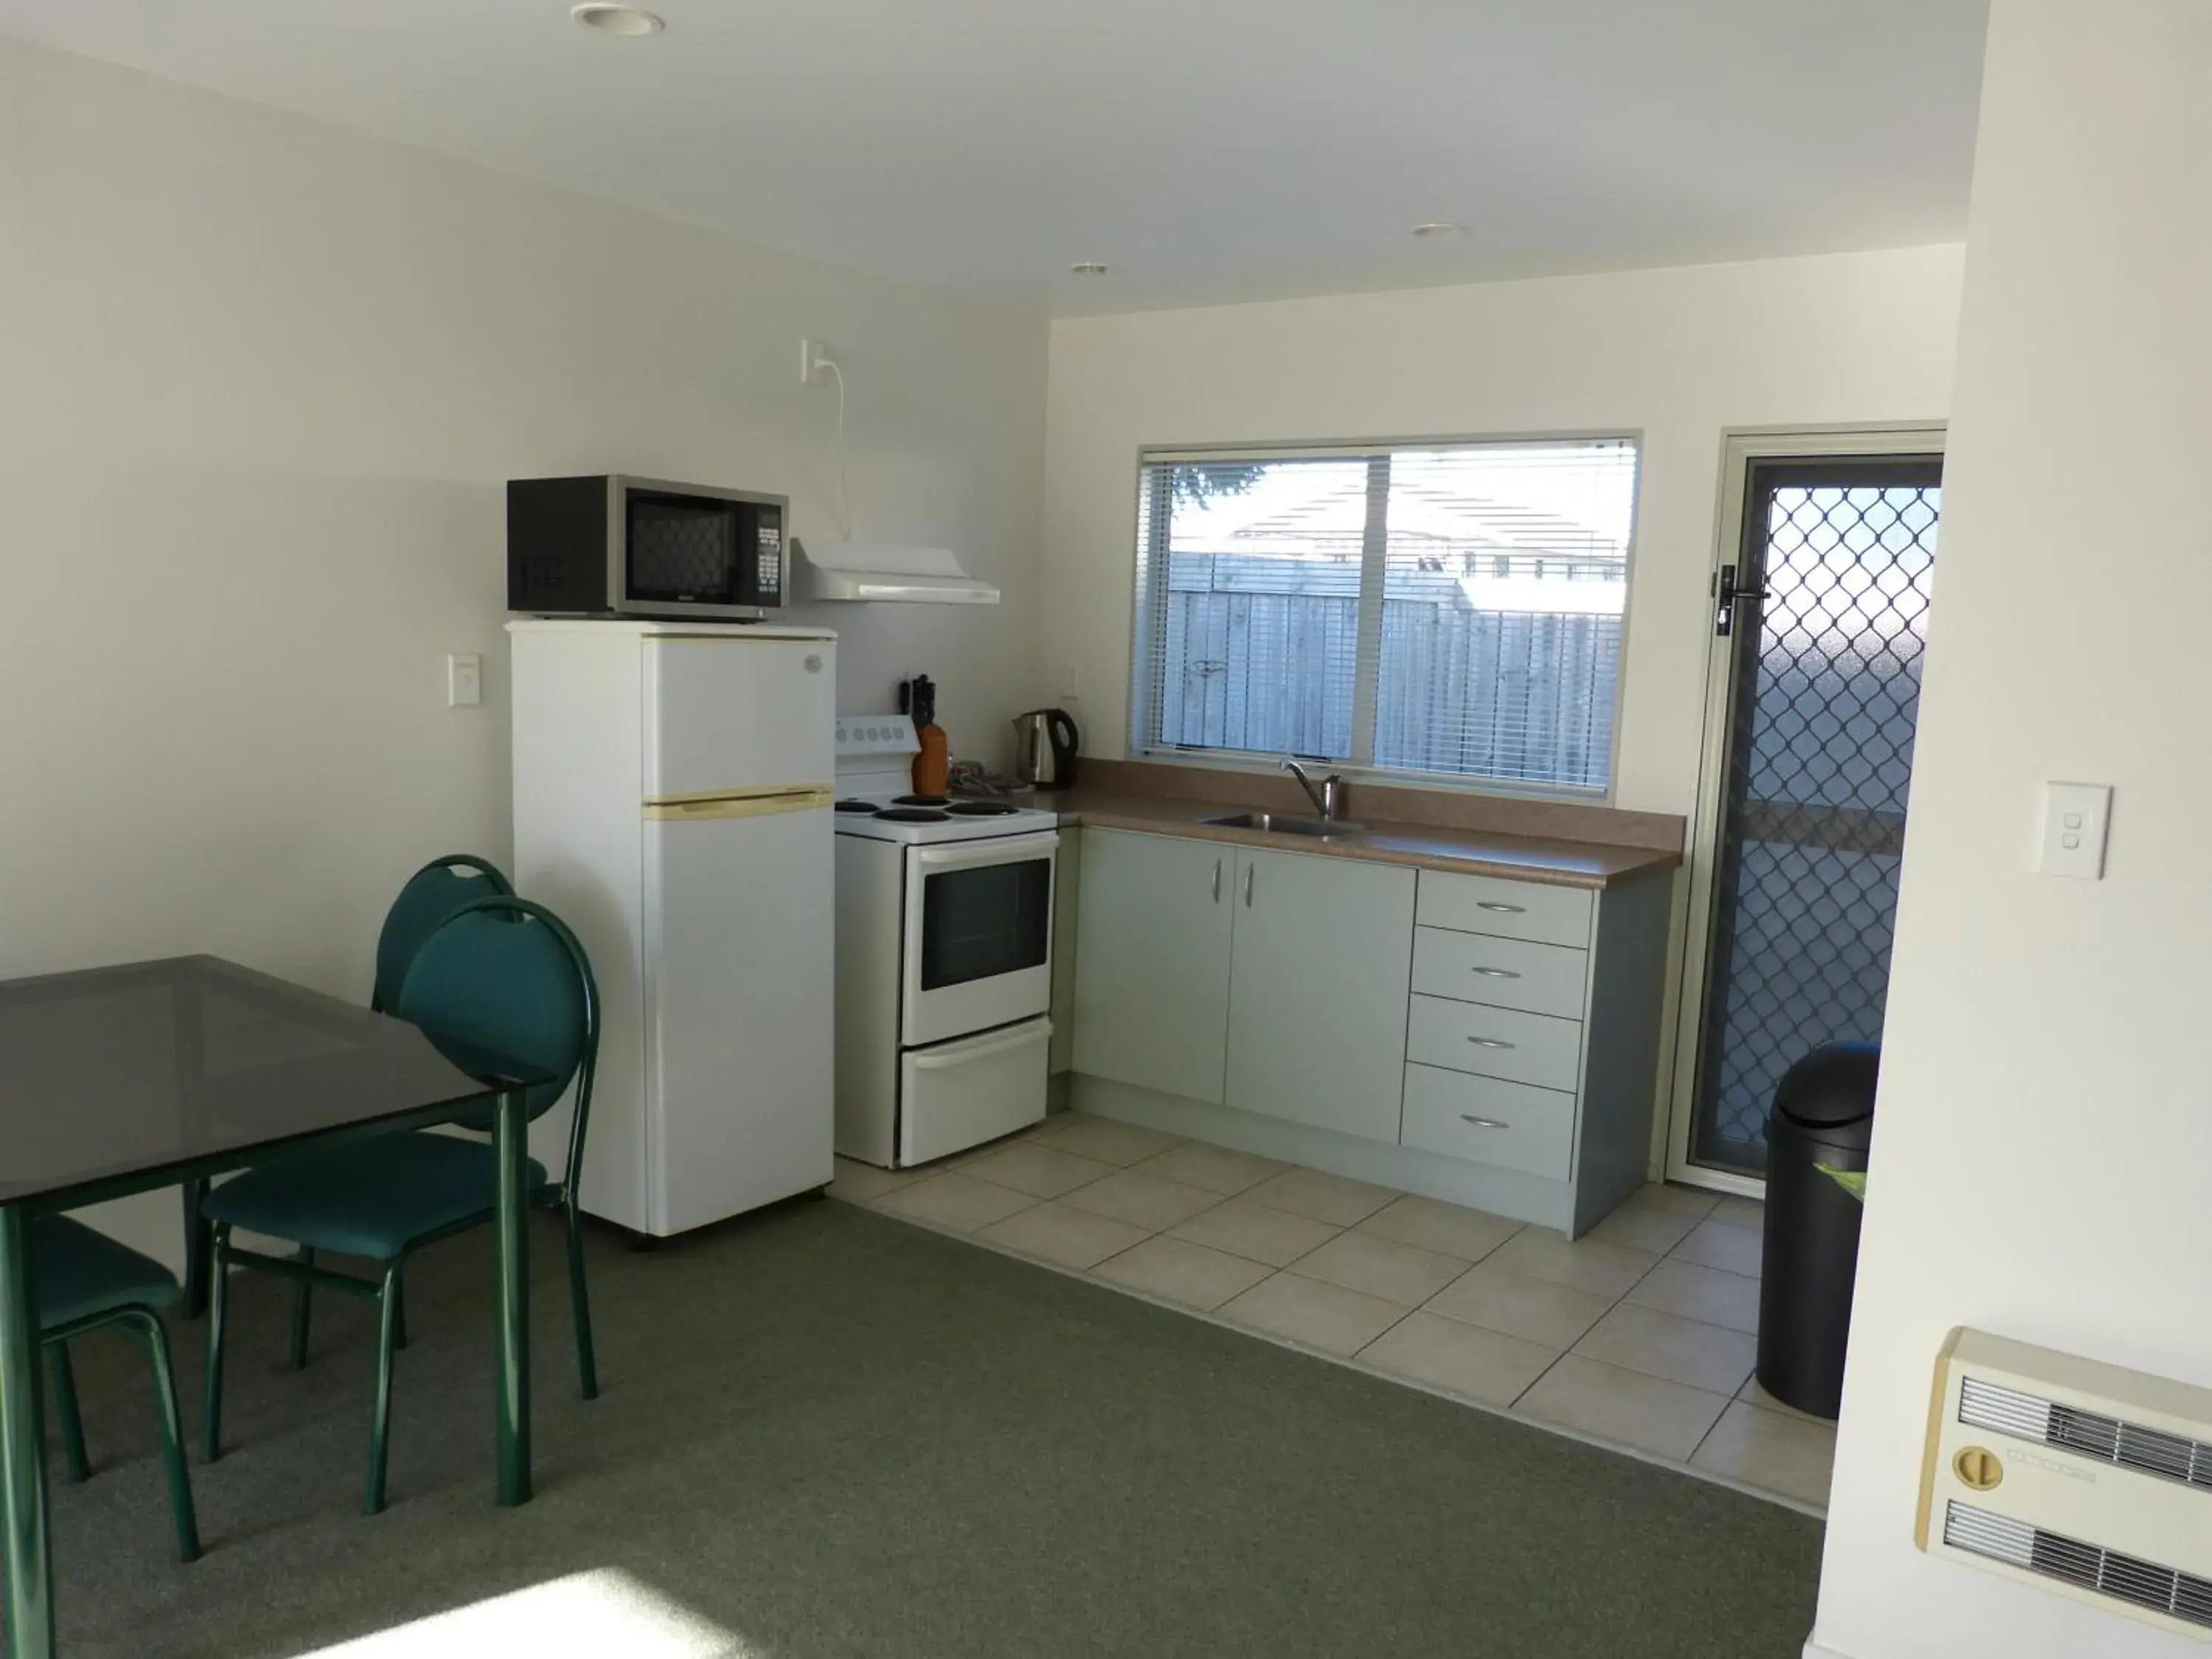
261,383
2042,1131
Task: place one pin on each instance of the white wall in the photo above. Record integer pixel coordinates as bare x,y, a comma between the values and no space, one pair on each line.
1678,356
2042,1131
261,381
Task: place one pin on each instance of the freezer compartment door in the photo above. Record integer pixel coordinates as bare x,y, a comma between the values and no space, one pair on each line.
961,1094
739,1074
727,716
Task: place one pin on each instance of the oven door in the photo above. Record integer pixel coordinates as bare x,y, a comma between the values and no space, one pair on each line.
978,936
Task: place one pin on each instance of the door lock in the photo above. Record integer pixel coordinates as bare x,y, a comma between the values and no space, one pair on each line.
1726,594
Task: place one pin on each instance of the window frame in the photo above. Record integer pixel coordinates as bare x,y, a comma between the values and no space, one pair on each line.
1149,596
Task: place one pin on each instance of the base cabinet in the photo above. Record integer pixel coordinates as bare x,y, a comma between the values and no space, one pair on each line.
1152,961
1318,984
1490,1042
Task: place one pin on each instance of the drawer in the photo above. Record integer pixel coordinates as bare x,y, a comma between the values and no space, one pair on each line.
1466,1037
1511,909
1486,1120
1505,973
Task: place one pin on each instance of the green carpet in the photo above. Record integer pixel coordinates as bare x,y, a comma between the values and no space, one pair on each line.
827,1434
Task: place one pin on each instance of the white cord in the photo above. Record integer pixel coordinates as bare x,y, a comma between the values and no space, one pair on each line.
844,473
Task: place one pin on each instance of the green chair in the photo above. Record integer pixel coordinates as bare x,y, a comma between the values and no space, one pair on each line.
433,893
84,1280
503,975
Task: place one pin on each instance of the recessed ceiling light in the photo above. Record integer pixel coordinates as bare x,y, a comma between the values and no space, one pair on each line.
617,19
1086,268
1439,227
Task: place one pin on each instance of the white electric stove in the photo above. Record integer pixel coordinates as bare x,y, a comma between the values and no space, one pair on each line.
944,956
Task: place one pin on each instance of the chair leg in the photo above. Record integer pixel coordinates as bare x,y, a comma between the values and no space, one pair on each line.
303,1303
218,1307
580,1298
172,1424
380,1424
61,1380
399,1313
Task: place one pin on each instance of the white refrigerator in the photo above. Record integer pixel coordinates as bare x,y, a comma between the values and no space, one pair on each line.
672,792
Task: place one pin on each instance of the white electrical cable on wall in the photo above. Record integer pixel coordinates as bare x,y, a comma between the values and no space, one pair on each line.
844,471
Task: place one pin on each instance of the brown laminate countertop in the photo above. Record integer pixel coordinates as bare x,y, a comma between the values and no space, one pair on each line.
1464,851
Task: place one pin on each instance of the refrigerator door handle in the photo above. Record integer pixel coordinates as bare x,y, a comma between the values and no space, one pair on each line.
698,808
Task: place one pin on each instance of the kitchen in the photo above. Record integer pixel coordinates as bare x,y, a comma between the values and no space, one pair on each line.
1373,1121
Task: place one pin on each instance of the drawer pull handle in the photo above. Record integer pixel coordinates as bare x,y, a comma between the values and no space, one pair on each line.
1501,909
1494,972
1217,881
1483,1122
1489,1042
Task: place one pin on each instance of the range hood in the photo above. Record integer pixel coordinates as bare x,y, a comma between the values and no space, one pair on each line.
886,570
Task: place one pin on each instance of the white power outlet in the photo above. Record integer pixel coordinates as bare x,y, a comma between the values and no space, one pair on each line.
2074,817
814,362
1070,679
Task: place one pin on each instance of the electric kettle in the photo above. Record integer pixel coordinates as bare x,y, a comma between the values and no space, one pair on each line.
1044,748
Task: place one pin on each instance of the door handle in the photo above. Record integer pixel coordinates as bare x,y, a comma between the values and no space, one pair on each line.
1248,885
1488,1042
1494,972
1217,881
1483,1122
1501,909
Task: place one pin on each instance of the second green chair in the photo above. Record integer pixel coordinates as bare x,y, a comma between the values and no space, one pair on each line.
503,975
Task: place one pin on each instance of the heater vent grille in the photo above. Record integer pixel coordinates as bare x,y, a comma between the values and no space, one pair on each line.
2124,1578
2128,1445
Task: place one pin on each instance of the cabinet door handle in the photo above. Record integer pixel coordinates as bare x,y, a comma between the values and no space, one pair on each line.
1489,1042
1248,885
1501,909
1484,1122
1217,881
1494,972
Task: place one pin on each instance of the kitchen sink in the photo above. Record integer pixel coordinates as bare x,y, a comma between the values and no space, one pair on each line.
1277,824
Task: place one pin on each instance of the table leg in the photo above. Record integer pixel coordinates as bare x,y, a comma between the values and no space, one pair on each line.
510,1137
199,1250
26,1582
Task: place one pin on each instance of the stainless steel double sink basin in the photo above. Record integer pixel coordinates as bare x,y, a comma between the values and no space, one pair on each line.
1278,824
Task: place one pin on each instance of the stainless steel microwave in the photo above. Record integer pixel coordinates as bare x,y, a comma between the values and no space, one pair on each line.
617,546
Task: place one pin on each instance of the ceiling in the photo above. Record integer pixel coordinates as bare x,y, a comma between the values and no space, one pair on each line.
1206,150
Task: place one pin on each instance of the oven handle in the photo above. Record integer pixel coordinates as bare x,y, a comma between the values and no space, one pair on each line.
1010,849
1038,1031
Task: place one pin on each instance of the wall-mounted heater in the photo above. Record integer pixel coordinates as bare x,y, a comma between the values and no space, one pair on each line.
2079,1477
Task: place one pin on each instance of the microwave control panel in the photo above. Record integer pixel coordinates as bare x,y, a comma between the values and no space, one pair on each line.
769,565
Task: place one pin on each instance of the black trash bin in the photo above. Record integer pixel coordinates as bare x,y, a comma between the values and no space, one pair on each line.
1823,1118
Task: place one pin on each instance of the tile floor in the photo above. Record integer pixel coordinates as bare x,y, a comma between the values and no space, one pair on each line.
1639,1333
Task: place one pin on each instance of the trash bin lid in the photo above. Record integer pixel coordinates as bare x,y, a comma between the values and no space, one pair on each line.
1829,1094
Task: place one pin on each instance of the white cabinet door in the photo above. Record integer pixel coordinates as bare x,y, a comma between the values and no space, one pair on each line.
1318,991
1151,973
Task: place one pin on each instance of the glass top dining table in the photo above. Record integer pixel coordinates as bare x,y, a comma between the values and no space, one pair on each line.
122,1080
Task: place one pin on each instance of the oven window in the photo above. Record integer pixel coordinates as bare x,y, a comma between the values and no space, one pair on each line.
683,548
976,923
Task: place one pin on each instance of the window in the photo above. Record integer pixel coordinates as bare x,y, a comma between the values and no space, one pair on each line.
1450,610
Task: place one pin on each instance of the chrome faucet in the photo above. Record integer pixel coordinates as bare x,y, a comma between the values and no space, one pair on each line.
1327,799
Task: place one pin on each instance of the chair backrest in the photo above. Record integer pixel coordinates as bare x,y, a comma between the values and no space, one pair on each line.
432,894
505,975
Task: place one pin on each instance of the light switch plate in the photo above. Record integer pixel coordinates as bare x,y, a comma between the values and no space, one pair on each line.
464,680
1070,680
2075,816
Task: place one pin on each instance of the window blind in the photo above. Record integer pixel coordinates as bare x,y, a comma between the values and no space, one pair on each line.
1454,609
